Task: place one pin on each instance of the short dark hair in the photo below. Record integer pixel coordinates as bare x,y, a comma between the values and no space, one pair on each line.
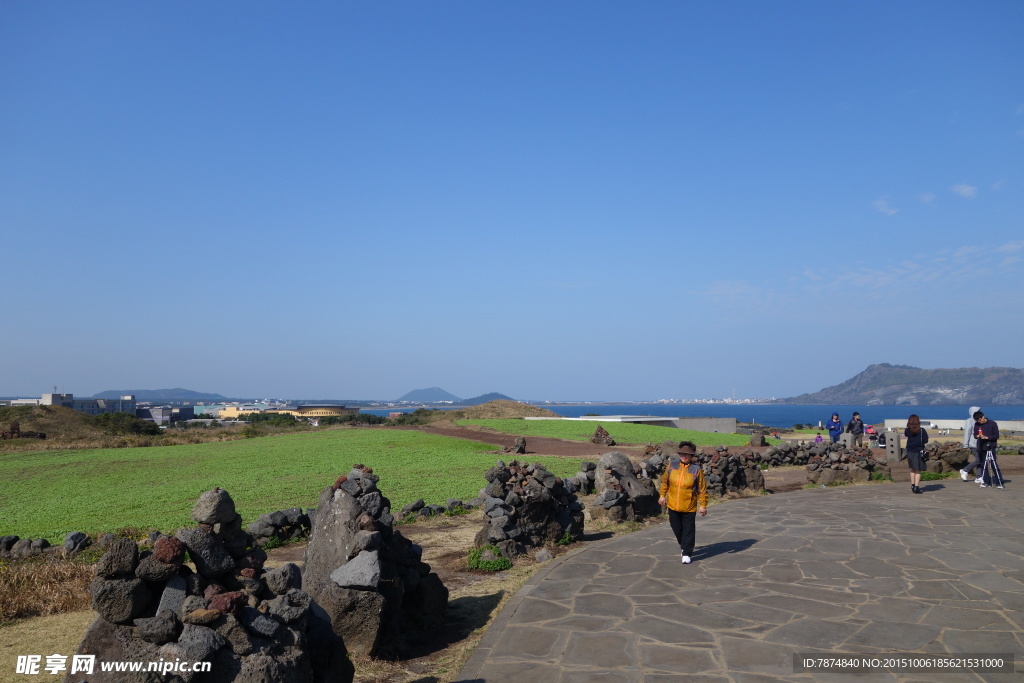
979,414
856,414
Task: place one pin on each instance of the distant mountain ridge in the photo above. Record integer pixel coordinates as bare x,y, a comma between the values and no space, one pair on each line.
485,398
905,385
431,395
160,395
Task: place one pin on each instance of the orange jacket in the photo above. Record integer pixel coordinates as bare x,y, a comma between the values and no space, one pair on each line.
680,490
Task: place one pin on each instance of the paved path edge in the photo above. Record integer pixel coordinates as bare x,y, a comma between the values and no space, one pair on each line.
471,669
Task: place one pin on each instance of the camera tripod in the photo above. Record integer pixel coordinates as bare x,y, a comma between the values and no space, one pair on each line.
990,458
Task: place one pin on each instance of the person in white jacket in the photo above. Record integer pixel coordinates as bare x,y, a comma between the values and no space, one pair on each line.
971,442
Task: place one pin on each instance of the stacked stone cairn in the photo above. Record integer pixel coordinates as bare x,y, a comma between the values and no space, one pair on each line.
602,437
370,580
251,624
525,505
626,491
518,448
282,525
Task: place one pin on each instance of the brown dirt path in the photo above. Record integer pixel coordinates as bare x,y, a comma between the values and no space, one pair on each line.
535,445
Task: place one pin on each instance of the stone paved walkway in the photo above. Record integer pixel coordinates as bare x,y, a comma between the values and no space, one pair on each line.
860,569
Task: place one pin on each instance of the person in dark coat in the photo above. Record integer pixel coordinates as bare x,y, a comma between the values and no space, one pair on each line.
916,439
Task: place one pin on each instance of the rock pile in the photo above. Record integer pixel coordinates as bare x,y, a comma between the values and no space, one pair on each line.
283,525
729,472
602,437
828,463
948,456
370,580
527,505
250,624
626,491
17,547
518,448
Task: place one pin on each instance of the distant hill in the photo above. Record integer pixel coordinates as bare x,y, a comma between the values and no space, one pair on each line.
885,384
431,395
157,395
486,398
504,410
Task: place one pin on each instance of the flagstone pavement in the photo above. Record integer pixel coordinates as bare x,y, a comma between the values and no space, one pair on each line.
866,570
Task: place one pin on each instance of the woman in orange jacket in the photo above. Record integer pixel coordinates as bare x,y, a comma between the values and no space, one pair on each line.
685,492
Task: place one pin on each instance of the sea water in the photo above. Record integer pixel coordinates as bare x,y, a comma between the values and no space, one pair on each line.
773,414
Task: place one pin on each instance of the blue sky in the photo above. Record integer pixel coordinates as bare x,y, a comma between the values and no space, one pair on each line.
555,201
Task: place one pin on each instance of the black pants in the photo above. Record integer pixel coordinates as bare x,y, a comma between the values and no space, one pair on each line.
684,526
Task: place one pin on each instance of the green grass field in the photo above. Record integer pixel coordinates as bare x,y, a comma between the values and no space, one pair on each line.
47,494
622,432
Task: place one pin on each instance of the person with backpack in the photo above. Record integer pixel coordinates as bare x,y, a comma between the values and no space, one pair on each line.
684,492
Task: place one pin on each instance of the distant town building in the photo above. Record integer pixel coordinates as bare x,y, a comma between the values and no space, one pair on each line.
89,406
165,415
303,411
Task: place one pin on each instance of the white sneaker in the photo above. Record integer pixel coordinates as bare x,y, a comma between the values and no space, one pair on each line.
1000,486
983,485
686,559
979,480
963,475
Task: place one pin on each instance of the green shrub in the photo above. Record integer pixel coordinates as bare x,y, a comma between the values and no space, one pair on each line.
566,539
935,476
496,565
879,475
123,423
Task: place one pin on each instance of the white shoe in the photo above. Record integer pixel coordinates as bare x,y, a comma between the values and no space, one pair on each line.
963,475
983,485
1000,486
979,480
686,559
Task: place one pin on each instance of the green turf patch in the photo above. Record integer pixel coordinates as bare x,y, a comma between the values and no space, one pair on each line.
622,432
48,494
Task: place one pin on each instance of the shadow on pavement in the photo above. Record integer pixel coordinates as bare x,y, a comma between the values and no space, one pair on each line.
706,551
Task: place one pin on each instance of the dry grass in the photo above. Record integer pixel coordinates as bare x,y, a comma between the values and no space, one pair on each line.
55,634
41,586
495,410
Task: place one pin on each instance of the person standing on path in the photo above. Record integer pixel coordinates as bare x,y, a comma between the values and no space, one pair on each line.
685,492
987,433
835,427
856,428
916,439
971,442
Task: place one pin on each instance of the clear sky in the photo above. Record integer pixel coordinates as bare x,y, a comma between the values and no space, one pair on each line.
551,200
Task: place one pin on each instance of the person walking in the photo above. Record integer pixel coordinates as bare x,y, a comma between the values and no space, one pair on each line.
856,428
835,427
916,439
987,433
971,442
684,492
